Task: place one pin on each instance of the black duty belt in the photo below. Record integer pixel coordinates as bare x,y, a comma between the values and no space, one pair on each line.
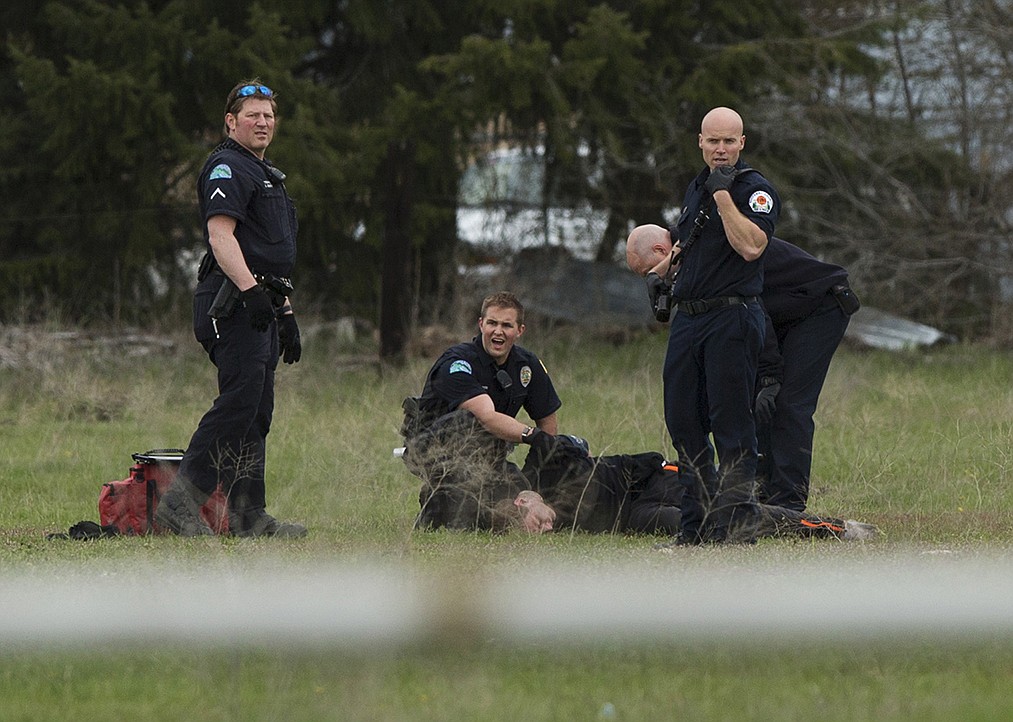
705,305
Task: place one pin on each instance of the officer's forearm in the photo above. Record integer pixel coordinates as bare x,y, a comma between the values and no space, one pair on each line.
548,424
747,238
230,258
499,425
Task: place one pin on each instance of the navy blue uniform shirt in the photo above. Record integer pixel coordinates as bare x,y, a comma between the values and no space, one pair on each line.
236,183
795,282
465,371
712,267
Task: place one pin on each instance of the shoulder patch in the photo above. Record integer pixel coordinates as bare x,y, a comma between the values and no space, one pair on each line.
222,170
761,202
460,367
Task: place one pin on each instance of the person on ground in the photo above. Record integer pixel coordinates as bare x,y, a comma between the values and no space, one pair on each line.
637,494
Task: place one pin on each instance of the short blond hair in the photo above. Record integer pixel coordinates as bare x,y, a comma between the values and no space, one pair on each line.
503,299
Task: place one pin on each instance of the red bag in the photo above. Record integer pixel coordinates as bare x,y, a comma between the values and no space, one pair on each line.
130,504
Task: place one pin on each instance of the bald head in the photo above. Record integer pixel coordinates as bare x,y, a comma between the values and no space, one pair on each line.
721,137
647,246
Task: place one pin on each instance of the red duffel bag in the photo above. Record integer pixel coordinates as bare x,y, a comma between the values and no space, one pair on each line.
129,504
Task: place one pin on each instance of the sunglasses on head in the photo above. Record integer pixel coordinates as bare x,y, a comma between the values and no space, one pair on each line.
248,90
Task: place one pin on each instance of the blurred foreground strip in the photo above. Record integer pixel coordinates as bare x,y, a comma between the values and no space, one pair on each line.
923,596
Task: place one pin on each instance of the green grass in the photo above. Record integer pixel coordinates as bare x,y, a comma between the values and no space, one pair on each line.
920,443
917,682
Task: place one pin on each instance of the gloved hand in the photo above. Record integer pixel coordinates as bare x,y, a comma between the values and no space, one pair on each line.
720,179
766,402
288,338
259,304
655,286
541,443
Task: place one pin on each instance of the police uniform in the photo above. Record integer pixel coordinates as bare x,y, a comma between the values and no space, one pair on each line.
808,304
464,468
229,443
715,337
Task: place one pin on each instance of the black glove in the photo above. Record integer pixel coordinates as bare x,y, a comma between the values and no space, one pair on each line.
720,179
288,338
259,304
542,444
766,402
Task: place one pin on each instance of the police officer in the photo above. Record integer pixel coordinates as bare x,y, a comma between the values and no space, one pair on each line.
728,215
459,432
243,319
808,304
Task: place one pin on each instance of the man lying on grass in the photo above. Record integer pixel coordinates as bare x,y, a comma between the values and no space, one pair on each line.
632,494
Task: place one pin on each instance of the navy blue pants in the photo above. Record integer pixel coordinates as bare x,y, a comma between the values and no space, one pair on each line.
786,443
229,444
710,372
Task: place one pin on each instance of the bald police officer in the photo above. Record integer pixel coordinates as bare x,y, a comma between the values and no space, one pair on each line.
728,215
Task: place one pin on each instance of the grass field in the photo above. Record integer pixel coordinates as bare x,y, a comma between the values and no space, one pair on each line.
919,443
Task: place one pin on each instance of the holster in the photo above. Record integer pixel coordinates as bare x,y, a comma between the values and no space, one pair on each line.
846,298
225,300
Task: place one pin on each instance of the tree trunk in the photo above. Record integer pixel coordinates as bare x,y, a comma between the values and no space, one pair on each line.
397,256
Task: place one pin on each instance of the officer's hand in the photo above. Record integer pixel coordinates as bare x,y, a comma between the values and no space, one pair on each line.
259,304
542,444
655,286
720,179
766,402
288,338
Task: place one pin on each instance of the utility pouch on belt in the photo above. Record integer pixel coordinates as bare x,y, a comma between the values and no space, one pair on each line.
207,264
846,298
225,300
412,417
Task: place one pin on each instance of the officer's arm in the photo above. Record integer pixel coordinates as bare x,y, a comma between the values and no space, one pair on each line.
228,254
747,238
499,425
548,424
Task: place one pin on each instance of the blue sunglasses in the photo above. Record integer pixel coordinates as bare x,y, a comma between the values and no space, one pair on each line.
248,90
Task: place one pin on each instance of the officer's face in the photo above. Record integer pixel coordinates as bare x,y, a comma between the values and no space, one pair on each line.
499,329
253,126
721,141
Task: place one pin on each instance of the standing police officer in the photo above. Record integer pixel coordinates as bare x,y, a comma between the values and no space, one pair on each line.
728,215
243,319
808,304
459,433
